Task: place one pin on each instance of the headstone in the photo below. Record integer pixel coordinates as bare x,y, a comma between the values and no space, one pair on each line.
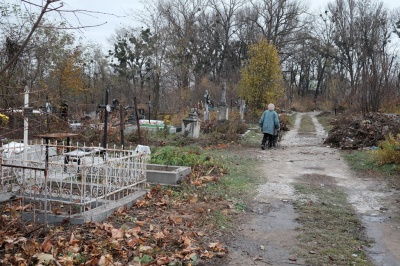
191,125
242,107
223,94
223,110
207,100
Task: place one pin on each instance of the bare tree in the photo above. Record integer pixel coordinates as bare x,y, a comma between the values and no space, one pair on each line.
361,36
226,23
47,7
280,22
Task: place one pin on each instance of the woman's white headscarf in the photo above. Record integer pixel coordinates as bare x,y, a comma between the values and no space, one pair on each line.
271,106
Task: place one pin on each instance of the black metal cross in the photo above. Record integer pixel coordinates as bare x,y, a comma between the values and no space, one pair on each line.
107,109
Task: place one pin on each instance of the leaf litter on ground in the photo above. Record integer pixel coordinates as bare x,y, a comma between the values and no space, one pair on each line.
168,226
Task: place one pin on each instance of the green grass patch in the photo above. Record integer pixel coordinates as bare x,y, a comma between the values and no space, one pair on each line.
306,125
222,221
253,138
242,176
330,231
200,161
238,185
292,119
237,174
363,160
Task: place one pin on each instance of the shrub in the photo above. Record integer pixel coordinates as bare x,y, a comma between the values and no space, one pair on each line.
227,130
191,156
285,121
176,118
389,151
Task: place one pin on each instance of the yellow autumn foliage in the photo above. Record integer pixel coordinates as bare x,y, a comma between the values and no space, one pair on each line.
4,119
261,76
69,75
389,151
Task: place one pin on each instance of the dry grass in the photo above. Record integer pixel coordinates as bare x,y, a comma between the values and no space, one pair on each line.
306,125
330,231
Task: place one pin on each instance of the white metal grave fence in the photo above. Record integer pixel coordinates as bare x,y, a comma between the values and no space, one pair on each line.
76,179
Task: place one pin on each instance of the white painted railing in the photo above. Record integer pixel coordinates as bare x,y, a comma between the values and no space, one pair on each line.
76,179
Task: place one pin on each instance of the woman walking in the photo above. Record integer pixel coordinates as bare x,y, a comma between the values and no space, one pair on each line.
269,122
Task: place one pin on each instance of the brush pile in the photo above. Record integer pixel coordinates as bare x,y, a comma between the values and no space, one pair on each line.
356,131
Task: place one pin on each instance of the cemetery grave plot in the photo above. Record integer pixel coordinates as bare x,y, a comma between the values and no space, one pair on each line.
68,180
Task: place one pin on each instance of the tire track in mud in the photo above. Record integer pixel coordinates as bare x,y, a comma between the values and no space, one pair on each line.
267,235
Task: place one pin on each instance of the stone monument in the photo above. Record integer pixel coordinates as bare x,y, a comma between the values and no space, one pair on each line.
223,110
242,107
191,125
207,101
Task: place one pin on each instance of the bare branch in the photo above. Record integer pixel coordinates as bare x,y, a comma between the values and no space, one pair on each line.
74,27
46,8
24,44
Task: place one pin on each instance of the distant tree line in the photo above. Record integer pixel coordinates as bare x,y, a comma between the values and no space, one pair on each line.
345,55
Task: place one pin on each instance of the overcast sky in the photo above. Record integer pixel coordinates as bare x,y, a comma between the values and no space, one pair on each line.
121,8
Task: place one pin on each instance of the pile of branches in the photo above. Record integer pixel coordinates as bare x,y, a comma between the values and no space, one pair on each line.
357,131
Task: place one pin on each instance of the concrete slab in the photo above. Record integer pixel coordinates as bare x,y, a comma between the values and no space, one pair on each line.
166,174
98,214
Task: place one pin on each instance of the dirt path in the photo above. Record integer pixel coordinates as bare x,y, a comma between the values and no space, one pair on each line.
268,236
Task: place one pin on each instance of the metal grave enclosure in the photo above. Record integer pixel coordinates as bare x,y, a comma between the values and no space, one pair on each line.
55,182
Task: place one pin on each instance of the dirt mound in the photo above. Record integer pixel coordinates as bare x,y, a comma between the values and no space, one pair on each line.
356,131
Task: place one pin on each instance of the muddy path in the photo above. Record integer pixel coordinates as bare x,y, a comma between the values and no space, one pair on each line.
267,235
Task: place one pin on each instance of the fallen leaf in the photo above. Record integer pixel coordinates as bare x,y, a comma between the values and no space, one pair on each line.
197,182
145,248
207,178
133,242
175,220
106,260
56,211
193,199
163,261
141,223
46,245
120,211
141,203
74,249
159,236
200,233
186,241
74,241
206,254
135,231
44,259
8,246
117,233
163,202
30,247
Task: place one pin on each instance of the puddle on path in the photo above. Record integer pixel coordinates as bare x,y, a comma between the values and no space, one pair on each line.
266,238
385,249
